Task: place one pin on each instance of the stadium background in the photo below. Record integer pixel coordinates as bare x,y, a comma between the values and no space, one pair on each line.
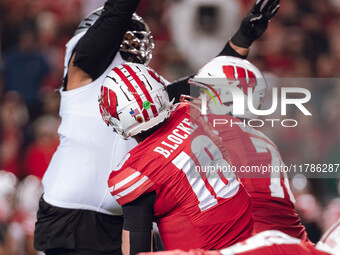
302,41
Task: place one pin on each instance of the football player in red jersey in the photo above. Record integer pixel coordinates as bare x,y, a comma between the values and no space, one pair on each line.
273,242
272,199
77,215
157,180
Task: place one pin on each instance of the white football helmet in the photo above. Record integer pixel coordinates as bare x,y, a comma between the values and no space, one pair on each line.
133,99
235,73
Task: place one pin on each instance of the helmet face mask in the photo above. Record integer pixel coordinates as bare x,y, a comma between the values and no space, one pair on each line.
137,44
133,99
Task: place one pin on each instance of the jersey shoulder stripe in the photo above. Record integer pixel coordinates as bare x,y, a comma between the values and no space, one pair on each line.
128,184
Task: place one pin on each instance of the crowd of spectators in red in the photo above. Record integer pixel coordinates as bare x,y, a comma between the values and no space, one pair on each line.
301,42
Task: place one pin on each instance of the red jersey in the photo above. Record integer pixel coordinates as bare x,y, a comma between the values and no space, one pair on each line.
254,154
192,210
272,243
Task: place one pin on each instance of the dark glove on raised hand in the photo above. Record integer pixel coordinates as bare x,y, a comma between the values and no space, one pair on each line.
255,23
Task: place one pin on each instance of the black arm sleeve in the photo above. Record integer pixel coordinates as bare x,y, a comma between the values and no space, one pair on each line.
228,51
182,87
98,47
138,218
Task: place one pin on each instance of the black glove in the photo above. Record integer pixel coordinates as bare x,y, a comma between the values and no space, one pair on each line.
255,23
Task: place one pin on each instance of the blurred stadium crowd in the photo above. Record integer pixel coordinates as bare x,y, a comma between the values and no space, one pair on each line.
301,42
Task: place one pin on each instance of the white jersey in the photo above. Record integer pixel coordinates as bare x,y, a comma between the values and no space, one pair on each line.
78,172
